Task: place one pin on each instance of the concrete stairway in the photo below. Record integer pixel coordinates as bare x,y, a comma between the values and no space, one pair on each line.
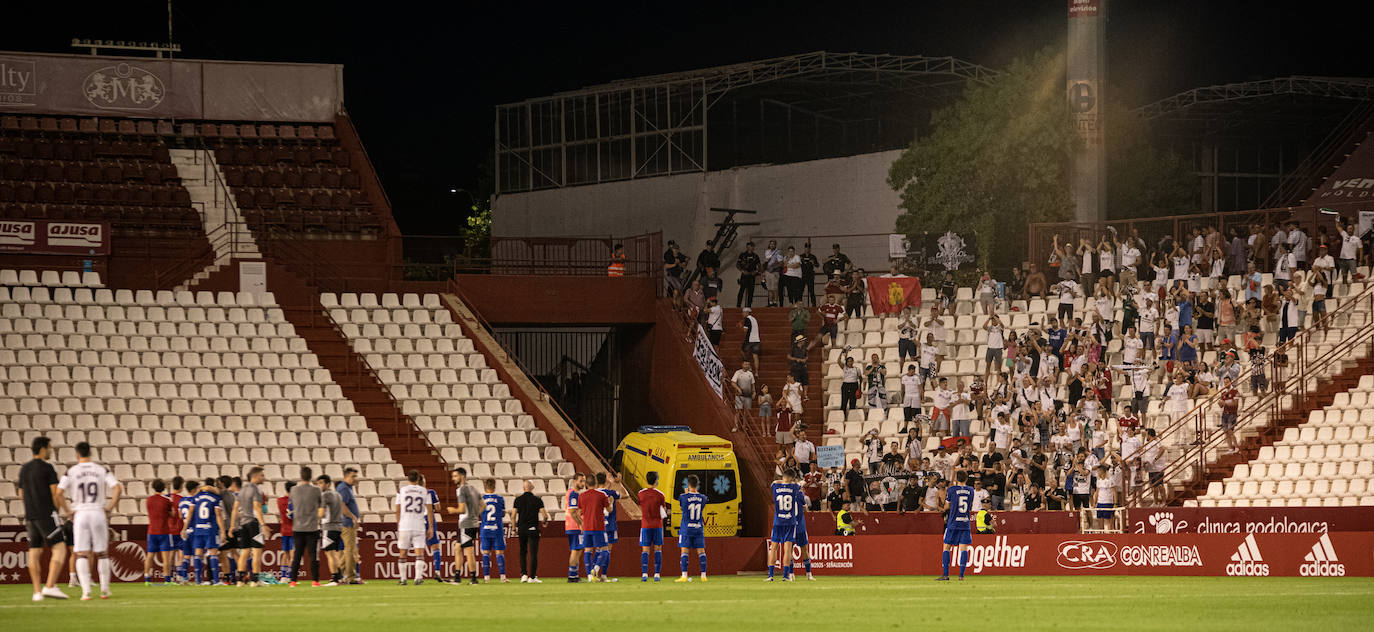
1320,398
300,304
775,330
229,236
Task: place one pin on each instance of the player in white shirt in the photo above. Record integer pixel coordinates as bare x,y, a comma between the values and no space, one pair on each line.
413,512
87,492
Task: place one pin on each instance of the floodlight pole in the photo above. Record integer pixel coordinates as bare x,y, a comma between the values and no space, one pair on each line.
1087,69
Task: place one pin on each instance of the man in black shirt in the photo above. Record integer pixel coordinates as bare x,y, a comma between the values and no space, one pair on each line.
854,483
675,270
809,264
38,489
835,499
707,258
529,513
836,262
996,484
1038,462
1055,499
748,265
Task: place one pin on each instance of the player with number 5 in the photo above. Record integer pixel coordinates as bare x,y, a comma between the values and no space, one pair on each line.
959,503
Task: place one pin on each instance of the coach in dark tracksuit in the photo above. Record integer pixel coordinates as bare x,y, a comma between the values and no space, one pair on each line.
529,512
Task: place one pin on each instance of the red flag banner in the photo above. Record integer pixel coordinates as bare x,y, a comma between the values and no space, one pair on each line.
889,295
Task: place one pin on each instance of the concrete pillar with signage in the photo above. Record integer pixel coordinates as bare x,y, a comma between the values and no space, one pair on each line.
1087,71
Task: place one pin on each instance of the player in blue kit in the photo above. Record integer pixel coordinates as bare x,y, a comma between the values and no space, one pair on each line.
959,503
435,550
785,511
572,526
205,526
185,507
799,539
493,539
607,485
691,533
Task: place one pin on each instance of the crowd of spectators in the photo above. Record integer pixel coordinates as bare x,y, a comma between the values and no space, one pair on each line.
1168,306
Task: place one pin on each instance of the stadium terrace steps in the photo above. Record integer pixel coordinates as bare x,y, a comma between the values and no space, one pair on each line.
229,236
371,400
775,330
682,395
1250,446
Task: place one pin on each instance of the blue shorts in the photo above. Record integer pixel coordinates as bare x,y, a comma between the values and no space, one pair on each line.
1105,514
958,536
288,543
574,540
187,547
159,543
783,533
612,536
799,536
651,536
434,539
593,539
493,541
691,539
204,541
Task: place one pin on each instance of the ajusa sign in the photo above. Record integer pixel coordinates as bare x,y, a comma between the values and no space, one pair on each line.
62,238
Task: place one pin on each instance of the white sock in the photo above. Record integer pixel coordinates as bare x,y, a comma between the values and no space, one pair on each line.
419,569
83,574
104,565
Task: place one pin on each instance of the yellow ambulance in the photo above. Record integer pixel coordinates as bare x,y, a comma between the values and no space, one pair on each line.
675,452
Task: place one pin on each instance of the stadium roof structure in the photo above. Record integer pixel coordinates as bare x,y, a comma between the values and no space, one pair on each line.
785,109
1268,102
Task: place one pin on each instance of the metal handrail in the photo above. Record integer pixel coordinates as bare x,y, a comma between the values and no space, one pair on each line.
1320,156
548,398
1288,384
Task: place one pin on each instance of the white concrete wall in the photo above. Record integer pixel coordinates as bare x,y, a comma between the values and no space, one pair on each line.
823,199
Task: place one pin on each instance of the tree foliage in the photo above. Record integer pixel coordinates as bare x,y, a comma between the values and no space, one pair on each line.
1144,180
1001,157
997,160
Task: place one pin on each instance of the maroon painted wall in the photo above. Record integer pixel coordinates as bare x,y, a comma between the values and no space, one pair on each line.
564,300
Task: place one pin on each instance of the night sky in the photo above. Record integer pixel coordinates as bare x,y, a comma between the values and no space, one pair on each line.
421,79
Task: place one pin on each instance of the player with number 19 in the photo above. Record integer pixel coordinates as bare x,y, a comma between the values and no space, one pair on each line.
784,524
691,534
958,536
493,538
92,491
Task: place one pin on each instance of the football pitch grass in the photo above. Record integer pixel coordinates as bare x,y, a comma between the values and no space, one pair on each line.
724,603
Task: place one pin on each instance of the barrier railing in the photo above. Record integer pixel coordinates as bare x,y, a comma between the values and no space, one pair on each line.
1290,385
1040,237
455,289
